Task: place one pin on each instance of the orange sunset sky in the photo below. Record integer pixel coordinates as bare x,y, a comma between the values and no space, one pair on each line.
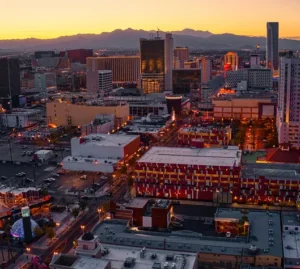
53,18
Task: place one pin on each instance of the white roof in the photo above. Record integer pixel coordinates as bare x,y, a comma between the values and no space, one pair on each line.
188,156
109,140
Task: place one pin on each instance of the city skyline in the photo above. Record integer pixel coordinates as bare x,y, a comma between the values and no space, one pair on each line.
70,18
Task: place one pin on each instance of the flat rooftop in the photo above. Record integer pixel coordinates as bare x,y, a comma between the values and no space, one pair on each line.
291,238
190,241
117,255
190,156
271,173
95,161
138,203
108,140
207,129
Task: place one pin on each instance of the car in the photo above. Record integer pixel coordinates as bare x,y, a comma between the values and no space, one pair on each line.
55,175
83,177
61,172
3,178
21,174
53,162
24,147
103,177
50,179
29,180
84,198
67,149
23,153
109,194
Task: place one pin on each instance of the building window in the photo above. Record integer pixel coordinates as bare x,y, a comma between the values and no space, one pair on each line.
286,228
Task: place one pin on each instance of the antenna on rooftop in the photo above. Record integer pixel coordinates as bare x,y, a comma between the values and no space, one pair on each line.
157,32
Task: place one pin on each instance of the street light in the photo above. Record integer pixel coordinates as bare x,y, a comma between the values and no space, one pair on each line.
82,228
28,249
99,210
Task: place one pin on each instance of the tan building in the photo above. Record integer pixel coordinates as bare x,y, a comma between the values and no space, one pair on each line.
125,69
66,113
244,107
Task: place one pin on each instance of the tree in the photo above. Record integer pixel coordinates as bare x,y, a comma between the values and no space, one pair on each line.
83,205
75,212
38,231
50,233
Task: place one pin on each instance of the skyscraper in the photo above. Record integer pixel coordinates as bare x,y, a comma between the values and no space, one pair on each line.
156,63
205,70
125,69
288,110
99,81
181,55
233,59
272,46
10,83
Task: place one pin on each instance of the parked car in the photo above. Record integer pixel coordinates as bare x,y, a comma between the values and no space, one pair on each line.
83,177
3,178
21,174
29,180
24,147
50,179
103,177
53,162
23,153
61,172
55,175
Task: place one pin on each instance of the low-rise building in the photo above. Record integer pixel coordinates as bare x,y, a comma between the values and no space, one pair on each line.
99,152
209,136
102,124
246,106
78,113
20,118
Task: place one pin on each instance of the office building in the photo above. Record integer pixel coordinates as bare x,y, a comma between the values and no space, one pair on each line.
99,81
232,59
256,78
286,53
181,55
77,113
45,82
272,54
10,82
254,61
206,69
156,64
77,55
100,152
21,118
288,114
184,78
125,69
102,124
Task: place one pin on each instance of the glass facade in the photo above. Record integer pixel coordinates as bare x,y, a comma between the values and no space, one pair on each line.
183,79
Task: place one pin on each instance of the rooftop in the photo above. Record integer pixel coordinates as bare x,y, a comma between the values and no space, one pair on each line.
207,129
279,172
277,155
291,238
118,255
106,140
95,161
265,235
190,156
138,203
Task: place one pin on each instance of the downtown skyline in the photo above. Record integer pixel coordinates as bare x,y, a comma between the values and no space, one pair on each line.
42,20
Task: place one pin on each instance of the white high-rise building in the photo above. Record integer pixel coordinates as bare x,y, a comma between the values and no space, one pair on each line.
288,109
272,46
205,70
99,81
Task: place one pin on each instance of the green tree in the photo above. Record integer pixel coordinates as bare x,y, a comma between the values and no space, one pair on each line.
75,212
83,204
38,231
50,233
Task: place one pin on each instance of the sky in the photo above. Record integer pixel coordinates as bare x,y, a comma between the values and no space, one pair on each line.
52,18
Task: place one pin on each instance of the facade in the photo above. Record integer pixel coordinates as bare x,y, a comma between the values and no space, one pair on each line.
21,118
204,136
254,61
77,114
181,55
77,55
206,94
184,78
233,59
272,46
125,69
99,81
206,69
156,64
99,152
44,81
102,124
188,173
288,113
10,81
244,107
255,78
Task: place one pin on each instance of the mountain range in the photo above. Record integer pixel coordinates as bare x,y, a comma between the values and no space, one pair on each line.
129,39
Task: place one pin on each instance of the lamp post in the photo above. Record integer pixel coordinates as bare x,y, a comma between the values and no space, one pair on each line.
99,210
82,228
